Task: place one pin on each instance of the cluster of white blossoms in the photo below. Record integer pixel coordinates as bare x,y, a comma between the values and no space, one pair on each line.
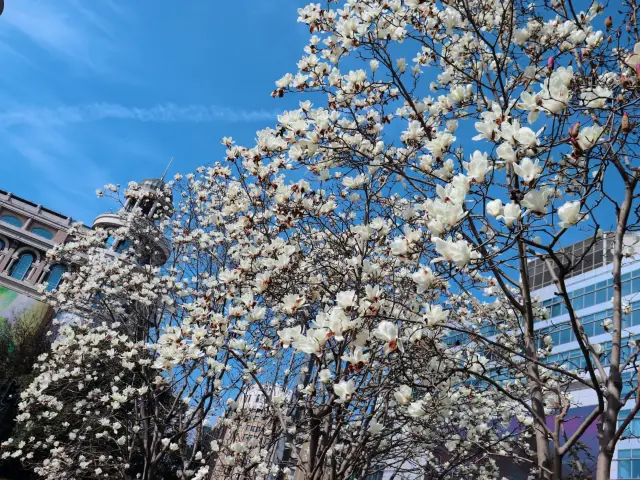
368,255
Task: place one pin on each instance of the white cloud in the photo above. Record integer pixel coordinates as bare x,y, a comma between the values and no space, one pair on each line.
64,29
161,113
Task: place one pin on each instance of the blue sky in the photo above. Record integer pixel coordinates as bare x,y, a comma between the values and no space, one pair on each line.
95,92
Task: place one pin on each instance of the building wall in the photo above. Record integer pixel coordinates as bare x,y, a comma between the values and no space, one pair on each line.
27,231
27,228
592,298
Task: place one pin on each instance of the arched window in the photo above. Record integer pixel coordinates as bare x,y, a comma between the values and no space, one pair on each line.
41,232
54,277
11,220
2,245
22,266
123,246
110,241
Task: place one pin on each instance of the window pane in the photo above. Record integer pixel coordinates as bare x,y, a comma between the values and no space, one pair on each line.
537,280
11,220
21,268
123,246
578,303
588,329
624,468
41,232
587,263
55,276
598,329
589,300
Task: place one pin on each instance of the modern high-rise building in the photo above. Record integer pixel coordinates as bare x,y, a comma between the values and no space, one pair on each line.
590,288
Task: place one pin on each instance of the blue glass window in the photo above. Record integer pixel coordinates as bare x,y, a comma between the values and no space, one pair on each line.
589,328
22,266
589,300
11,220
2,244
54,277
123,246
633,429
110,241
578,303
628,464
601,295
41,232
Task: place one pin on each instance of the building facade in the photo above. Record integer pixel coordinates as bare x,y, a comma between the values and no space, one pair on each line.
590,288
28,231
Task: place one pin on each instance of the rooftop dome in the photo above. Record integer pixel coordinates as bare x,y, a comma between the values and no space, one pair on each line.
153,183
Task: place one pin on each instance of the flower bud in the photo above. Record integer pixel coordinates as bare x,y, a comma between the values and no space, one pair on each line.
574,130
550,63
625,126
608,22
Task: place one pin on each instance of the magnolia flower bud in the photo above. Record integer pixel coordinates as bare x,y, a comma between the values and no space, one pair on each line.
574,130
550,63
608,22
625,126
638,70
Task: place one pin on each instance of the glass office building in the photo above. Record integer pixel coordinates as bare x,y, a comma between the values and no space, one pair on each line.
591,290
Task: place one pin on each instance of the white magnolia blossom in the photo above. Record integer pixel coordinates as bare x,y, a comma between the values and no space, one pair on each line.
569,214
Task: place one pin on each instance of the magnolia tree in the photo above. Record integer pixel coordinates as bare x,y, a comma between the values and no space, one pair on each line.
352,255
269,283
550,93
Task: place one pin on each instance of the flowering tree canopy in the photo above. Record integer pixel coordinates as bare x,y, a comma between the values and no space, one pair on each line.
371,254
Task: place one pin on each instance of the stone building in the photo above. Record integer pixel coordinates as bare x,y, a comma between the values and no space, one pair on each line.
29,230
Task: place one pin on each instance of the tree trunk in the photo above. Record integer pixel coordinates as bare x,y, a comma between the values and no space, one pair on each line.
604,464
537,401
557,467
149,471
609,421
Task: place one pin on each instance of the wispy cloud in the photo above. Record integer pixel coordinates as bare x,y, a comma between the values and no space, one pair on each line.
64,29
160,113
